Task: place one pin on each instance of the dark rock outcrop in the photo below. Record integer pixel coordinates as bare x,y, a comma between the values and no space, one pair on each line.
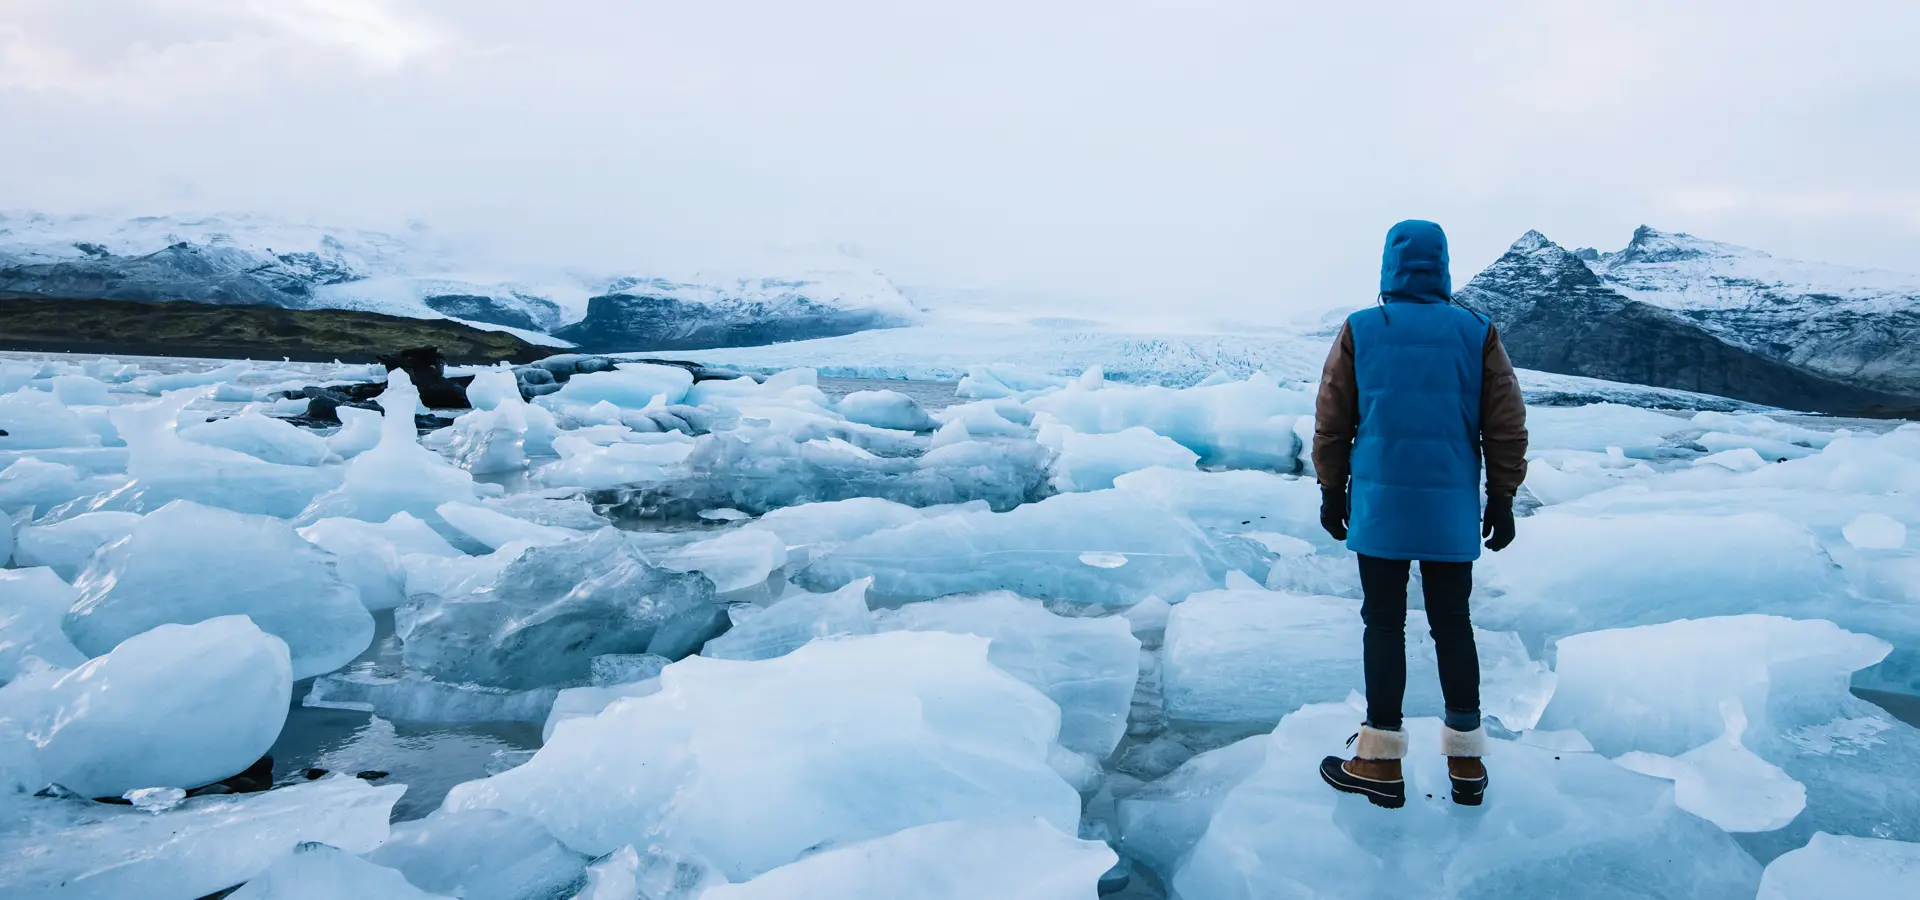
522,311
1555,314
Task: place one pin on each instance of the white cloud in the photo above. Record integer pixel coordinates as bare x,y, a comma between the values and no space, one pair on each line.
169,51
1236,156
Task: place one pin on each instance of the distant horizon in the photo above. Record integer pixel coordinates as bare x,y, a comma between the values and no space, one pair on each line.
1244,156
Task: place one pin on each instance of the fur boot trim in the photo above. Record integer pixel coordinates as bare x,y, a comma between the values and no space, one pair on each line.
1463,743
1375,743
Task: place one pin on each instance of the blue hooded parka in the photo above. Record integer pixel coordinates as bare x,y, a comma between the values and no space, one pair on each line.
1417,361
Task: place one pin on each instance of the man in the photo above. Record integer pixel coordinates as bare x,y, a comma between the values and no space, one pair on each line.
1416,391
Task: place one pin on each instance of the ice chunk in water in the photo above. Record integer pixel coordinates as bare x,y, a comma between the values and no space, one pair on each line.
270,440
369,554
1243,424
187,563
397,475
413,697
1252,656
1659,688
1836,867
753,764
1723,782
628,386
492,387
1087,666
550,612
179,706
359,432
1555,823
1570,573
174,381
80,850
1162,820
791,622
80,390
166,467
35,419
735,560
490,441
1034,551
32,603
1739,459
584,464
1875,531
66,545
1010,859
315,871
1237,501
30,482
885,409
496,529
756,473
811,530
1597,426
1090,462
481,854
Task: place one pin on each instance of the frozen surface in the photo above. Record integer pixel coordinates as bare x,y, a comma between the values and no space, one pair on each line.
482,854
33,601
1036,550
1551,822
735,560
80,850
397,475
552,610
792,621
179,706
1669,689
1087,666
1244,424
269,440
1252,656
630,386
316,871
1875,531
1568,573
1725,783
1835,867
66,545
885,409
369,555
186,563
1090,462
1020,859
166,467
750,764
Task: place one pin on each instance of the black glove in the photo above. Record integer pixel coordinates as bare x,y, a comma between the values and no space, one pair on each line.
1497,527
1333,511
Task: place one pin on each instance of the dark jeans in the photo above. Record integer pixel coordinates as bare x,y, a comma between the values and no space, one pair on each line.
1446,586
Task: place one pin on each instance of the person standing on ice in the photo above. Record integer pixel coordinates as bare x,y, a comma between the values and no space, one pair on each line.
1416,391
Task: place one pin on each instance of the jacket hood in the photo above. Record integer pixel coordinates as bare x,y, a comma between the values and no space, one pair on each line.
1414,267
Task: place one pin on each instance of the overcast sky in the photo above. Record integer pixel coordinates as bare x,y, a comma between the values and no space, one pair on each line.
1242,158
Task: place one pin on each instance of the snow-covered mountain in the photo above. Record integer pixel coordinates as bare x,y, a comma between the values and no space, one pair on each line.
1676,311
256,260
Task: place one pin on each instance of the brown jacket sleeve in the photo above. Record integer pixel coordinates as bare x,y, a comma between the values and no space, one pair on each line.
1336,414
1503,420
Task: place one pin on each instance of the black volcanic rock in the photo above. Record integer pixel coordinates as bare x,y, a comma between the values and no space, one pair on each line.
1555,314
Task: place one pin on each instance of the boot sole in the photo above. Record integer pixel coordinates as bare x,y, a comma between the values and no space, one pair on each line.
1388,797
1469,793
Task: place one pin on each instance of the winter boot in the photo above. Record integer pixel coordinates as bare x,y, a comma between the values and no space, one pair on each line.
1469,775
1374,770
